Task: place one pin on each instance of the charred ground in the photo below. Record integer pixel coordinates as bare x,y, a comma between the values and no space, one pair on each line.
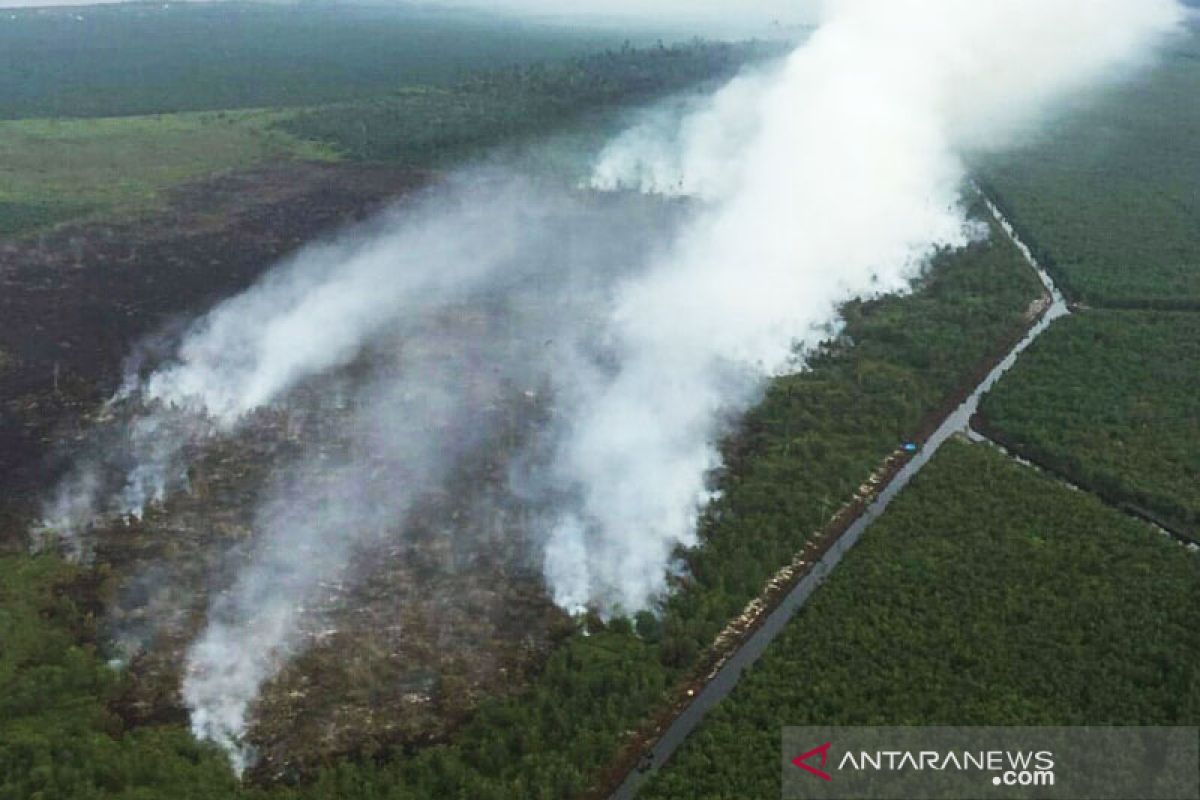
77,300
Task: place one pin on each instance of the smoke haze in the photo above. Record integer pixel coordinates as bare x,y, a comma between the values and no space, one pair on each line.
642,327
756,12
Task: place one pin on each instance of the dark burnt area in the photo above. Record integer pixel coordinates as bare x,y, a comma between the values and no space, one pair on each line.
75,300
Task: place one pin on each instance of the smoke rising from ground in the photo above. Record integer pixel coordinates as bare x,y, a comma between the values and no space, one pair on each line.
832,175
403,439
460,314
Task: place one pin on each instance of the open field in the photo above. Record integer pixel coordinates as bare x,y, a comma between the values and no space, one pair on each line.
148,58
182,209
1111,400
988,594
53,169
109,169
1107,195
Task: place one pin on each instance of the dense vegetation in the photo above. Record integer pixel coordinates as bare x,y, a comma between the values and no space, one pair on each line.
1107,194
1112,401
1108,199
430,124
987,594
802,453
58,738
148,58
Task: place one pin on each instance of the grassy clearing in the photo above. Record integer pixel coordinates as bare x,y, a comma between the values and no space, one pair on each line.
57,169
1108,194
1111,399
988,594
52,170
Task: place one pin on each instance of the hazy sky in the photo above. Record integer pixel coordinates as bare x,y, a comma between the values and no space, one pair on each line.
784,10
43,3
751,11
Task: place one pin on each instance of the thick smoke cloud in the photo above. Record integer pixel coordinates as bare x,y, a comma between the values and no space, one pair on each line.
461,315
643,328
489,284
835,175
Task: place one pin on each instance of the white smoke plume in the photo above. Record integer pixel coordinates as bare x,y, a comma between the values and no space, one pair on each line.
832,175
403,439
467,301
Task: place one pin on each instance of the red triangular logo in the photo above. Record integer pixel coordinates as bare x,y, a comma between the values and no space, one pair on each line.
823,752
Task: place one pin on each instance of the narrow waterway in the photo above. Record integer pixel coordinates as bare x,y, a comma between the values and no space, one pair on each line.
724,680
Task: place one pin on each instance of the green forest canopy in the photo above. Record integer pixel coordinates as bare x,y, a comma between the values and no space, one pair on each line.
988,594
1107,194
1111,399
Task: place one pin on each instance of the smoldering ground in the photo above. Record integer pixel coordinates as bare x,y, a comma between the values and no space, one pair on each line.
436,413
591,348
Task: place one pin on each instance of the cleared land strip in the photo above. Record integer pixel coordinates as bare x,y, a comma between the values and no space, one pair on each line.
823,555
987,595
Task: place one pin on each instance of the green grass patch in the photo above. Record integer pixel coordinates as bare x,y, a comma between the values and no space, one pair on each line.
1111,399
17,218
1108,193
988,594
51,169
